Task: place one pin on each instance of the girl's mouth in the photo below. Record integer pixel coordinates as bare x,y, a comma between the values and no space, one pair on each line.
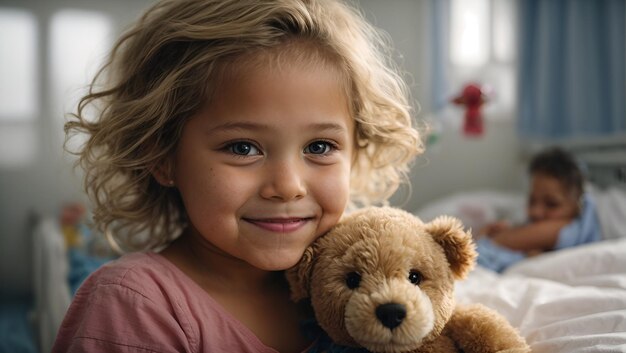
279,225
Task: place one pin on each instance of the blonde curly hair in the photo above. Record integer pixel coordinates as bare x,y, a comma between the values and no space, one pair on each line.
163,70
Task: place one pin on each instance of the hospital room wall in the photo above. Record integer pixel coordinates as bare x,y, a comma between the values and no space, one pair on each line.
455,162
44,180
41,186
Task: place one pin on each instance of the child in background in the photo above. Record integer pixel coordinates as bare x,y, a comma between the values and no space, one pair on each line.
231,135
560,215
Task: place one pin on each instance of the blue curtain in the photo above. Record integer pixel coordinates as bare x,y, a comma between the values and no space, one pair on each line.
572,56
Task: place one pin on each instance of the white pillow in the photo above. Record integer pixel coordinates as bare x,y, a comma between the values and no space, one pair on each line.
477,208
611,204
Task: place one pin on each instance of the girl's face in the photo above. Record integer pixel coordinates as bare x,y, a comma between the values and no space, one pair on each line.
265,168
549,199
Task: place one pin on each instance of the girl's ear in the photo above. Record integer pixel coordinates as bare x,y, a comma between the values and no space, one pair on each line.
163,173
299,276
456,243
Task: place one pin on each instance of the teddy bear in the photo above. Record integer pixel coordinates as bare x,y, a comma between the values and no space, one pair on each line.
383,281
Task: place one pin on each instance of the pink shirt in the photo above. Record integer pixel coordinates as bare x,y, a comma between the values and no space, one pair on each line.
143,303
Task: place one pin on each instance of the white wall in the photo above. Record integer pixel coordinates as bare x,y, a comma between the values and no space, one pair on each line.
458,163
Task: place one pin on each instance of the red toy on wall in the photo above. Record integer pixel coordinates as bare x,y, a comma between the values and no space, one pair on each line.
472,98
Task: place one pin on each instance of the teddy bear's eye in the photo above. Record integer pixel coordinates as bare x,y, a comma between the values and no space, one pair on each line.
415,277
353,280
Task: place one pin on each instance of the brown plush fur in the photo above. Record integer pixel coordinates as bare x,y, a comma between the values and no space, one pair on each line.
385,247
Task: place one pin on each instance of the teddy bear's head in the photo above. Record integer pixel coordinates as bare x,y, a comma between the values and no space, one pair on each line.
384,280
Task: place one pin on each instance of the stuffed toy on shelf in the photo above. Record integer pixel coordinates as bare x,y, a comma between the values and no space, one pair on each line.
472,98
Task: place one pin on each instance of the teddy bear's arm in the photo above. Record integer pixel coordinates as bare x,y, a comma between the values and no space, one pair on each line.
441,344
478,329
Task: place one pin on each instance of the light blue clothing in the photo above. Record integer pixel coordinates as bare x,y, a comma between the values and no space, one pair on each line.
584,229
496,257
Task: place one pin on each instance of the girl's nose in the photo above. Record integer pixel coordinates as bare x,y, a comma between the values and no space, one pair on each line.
283,181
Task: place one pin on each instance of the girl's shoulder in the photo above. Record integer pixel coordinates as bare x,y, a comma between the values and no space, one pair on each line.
145,273
142,300
135,301
135,263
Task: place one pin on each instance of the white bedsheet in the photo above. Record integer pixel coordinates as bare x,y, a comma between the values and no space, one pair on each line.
569,301
611,204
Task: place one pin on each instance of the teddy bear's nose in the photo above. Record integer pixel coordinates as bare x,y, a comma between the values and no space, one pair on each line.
391,314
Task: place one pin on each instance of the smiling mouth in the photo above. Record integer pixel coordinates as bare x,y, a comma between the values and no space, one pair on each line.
279,225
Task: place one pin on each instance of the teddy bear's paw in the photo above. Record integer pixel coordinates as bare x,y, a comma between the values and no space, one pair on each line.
478,329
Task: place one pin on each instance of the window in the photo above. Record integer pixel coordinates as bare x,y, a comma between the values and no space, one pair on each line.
482,31
77,41
503,43
482,49
18,66
469,42
19,96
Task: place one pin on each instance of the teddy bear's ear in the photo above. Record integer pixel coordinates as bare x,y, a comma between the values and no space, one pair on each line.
457,244
299,276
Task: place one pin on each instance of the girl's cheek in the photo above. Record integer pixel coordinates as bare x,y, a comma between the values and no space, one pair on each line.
333,196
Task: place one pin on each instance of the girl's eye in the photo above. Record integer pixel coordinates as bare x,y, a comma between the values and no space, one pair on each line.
319,147
415,277
243,149
353,280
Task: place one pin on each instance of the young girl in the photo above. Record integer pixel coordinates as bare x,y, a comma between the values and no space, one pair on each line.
560,215
231,134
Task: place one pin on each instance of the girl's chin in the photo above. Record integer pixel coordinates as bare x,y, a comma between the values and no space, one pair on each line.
279,263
